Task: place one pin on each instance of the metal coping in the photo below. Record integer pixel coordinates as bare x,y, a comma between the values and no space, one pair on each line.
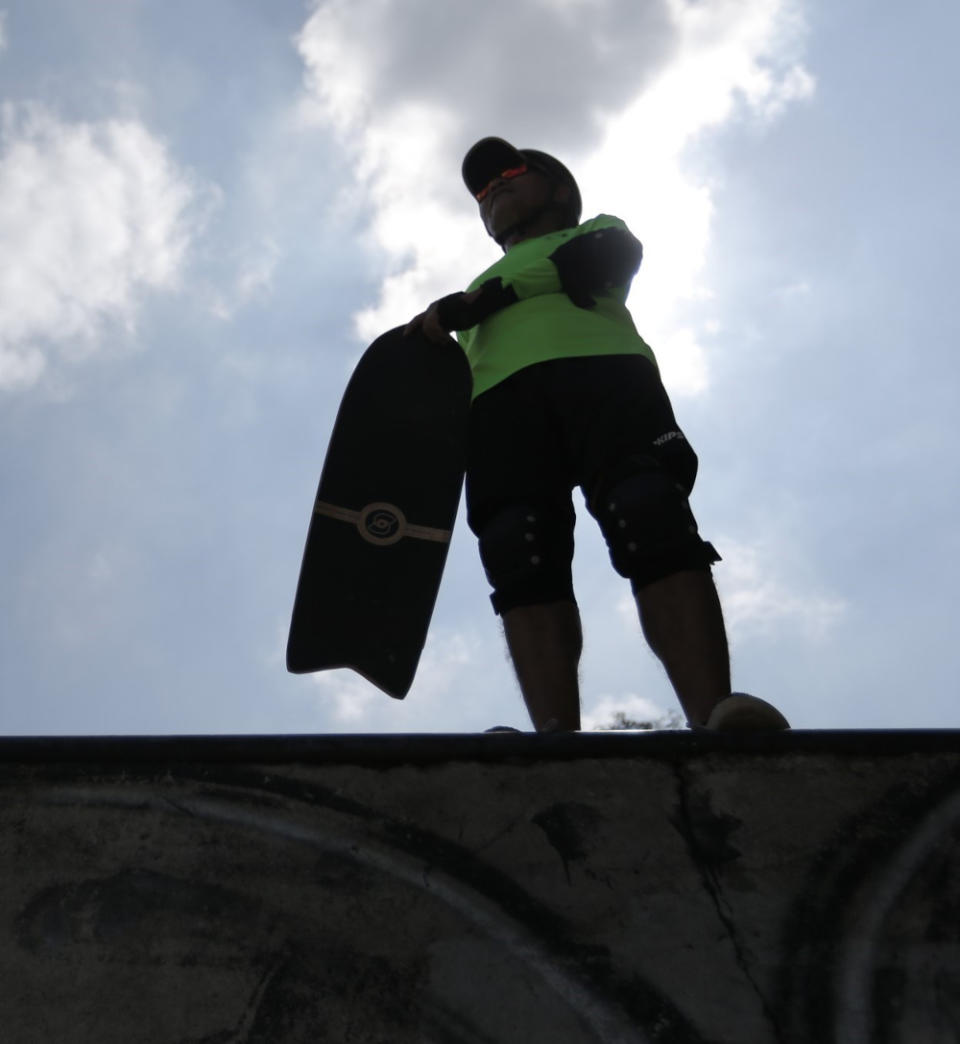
389,749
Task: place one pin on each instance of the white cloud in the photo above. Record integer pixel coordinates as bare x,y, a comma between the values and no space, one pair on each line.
619,89
3,30
254,279
601,714
758,600
478,63
730,55
446,660
682,360
91,215
350,696
408,89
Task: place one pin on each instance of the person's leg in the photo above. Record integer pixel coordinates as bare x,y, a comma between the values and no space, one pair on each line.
519,507
683,624
637,470
545,642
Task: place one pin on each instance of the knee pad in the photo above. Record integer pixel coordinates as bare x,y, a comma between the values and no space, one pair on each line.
526,551
648,525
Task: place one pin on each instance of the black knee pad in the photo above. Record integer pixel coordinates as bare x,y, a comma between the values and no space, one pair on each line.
526,551
648,525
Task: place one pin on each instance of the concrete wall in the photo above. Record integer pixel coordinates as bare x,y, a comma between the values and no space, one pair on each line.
481,889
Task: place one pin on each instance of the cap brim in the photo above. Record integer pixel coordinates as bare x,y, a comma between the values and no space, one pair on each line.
485,160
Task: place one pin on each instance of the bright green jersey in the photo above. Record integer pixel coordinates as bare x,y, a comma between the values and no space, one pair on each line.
544,323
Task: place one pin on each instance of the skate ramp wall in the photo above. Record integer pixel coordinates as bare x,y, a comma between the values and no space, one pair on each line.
495,889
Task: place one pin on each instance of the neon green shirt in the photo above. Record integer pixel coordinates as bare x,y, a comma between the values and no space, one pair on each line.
545,324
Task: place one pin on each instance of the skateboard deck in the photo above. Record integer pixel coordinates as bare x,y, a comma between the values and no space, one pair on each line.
384,513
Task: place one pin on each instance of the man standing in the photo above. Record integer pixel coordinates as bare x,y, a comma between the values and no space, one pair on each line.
567,393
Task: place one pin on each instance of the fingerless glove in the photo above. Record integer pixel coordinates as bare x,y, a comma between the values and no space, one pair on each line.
456,313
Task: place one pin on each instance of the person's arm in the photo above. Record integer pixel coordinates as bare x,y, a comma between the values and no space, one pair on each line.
461,311
596,262
593,262
603,255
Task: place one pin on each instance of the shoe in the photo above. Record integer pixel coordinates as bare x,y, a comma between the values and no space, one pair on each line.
551,726
741,712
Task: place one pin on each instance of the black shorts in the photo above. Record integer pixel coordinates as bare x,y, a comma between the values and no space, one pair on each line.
565,423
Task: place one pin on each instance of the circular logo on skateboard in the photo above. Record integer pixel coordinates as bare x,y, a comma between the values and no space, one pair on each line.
381,523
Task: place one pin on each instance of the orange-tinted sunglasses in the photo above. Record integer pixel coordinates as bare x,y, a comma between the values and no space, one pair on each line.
513,172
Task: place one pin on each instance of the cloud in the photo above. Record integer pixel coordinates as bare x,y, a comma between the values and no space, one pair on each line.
447,658
602,714
3,30
253,279
619,89
731,60
546,66
407,89
758,600
91,215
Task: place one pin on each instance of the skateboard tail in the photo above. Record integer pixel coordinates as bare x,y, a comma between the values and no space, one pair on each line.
397,685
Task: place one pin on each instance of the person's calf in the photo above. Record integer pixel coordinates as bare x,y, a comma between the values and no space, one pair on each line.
683,624
545,642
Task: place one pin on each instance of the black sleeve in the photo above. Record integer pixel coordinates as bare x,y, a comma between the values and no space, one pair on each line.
595,262
457,314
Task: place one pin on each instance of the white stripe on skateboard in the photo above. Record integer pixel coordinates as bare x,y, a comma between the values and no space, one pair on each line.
381,523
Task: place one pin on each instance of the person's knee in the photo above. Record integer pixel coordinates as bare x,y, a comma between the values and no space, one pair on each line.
645,516
526,551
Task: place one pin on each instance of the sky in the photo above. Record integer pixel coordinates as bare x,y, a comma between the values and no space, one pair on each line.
207,210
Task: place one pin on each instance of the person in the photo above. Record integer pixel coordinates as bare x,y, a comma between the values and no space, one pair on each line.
566,394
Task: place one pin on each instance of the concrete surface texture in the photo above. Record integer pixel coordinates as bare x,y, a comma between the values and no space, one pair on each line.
502,889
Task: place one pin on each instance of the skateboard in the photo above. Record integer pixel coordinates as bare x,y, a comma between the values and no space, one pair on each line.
384,513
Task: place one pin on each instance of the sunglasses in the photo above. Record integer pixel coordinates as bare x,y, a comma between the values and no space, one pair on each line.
506,175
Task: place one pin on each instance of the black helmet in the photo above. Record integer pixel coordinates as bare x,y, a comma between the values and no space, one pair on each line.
491,156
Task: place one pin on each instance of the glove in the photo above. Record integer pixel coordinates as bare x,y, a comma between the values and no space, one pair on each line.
461,311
